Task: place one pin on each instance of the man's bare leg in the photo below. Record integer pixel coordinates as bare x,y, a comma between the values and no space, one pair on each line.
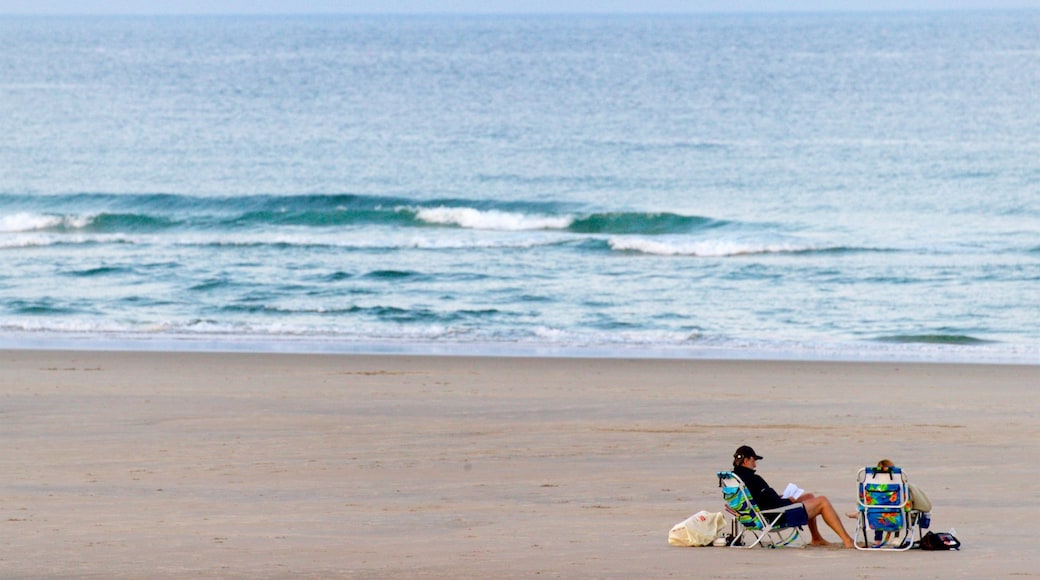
821,506
814,528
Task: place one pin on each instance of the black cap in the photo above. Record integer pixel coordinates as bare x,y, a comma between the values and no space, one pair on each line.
744,452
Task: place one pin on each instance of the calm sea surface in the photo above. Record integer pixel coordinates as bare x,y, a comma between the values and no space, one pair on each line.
849,186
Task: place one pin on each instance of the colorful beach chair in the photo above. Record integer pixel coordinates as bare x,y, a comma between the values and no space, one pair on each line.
775,528
885,520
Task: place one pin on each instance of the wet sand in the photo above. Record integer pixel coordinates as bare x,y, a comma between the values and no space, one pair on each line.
120,464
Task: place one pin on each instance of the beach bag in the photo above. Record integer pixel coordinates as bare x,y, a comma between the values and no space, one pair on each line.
700,529
918,500
940,541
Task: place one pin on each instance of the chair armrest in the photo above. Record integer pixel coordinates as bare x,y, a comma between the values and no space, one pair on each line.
783,508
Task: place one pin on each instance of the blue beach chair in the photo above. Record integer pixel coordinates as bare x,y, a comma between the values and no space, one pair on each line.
774,528
885,520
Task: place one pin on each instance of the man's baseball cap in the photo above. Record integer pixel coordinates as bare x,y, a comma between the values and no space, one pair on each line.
744,451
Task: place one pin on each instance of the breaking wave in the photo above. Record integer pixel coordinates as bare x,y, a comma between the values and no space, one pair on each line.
106,213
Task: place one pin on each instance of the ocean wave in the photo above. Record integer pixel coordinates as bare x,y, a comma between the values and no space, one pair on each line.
337,276
393,314
122,222
24,222
35,222
40,307
369,243
319,218
100,271
212,284
728,247
111,213
426,331
356,241
392,275
935,338
468,217
43,240
645,223
461,240
717,248
642,223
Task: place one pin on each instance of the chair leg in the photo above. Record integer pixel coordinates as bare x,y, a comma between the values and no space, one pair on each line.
784,537
758,538
861,530
907,533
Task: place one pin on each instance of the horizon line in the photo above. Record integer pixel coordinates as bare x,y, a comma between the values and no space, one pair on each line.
470,13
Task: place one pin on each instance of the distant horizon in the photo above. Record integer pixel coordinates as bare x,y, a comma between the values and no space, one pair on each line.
516,14
491,7
421,15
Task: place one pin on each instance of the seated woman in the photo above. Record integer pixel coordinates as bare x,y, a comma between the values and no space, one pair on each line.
745,460
918,501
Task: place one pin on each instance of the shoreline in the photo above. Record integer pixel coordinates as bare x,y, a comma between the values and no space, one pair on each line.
860,352
160,464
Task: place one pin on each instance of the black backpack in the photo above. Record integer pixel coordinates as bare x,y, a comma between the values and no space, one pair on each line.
940,541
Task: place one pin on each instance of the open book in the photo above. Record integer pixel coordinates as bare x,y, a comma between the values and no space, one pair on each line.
792,491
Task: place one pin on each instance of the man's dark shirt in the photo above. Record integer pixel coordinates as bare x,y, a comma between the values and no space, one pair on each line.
765,497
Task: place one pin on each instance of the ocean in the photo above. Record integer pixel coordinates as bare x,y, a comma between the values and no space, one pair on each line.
803,186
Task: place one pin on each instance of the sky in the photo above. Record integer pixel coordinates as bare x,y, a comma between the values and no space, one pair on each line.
487,6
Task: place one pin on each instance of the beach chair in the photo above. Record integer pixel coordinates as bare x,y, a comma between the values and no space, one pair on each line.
774,528
885,520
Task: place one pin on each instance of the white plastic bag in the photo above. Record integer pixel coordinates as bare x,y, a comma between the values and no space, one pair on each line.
700,529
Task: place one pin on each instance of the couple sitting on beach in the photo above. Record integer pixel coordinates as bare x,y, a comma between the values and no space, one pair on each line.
744,463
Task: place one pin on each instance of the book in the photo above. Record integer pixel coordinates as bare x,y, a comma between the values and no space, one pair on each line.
792,491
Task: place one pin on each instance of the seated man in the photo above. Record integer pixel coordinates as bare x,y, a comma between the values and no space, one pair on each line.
744,462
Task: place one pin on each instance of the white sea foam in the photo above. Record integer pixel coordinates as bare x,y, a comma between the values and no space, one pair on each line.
78,221
40,239
26,241
29,222
468,217
362,240
703,248
438,339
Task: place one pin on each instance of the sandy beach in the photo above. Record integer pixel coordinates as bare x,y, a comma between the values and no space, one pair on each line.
119,464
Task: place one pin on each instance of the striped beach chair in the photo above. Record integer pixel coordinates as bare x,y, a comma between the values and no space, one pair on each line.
775,528
885,520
